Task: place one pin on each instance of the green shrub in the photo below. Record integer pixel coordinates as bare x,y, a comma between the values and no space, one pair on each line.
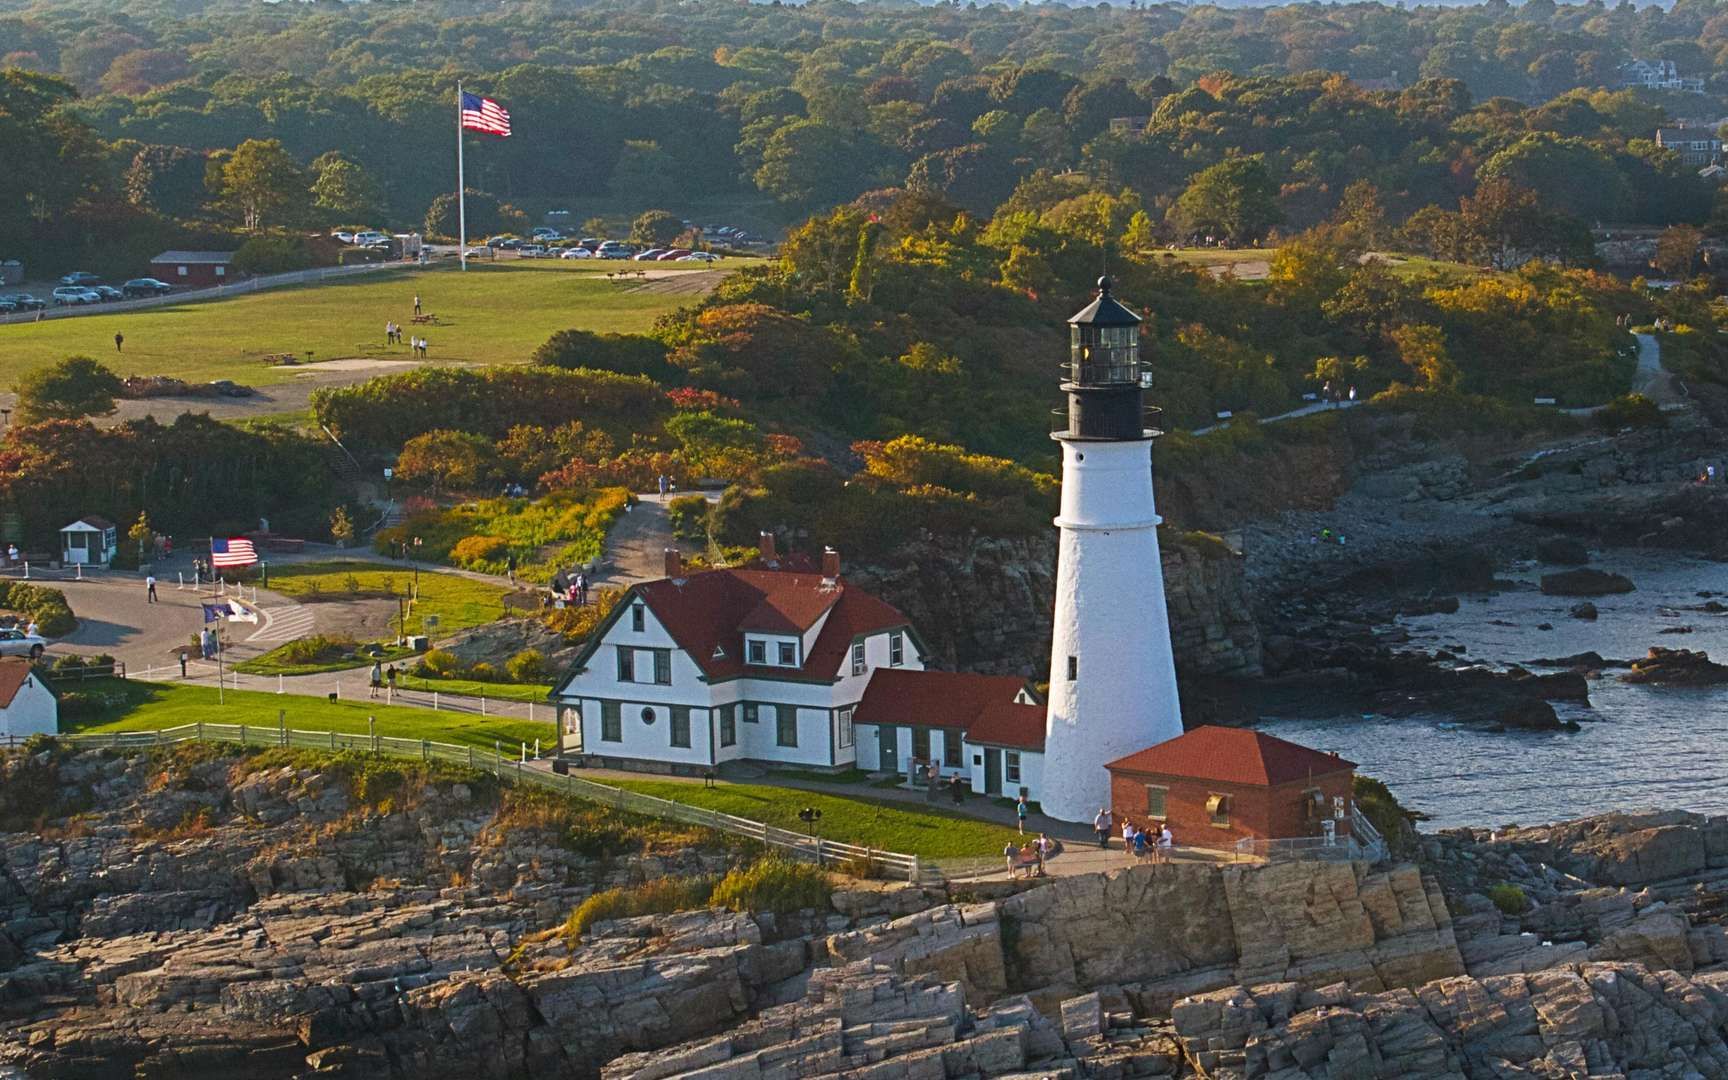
527,666
776,885
659,896
317,649
1630,411
483,672
1383,811
47,607
1509,898
441,663
688,515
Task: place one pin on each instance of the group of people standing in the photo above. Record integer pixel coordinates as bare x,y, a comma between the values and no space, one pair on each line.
379,678
393,336
1029,857
568,590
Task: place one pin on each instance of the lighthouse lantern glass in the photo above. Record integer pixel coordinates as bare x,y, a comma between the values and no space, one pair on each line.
1104,355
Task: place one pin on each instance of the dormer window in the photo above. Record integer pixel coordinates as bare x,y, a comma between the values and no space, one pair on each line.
858,665
788,654
638,618
757,651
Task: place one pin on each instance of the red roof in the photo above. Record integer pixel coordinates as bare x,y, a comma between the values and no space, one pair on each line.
983,706
14,670
1232,756
1011,724
706,613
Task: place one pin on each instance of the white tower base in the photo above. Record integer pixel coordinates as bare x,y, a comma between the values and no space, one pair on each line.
1112,675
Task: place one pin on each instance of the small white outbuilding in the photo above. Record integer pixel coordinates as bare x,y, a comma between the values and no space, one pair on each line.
89,541
27,705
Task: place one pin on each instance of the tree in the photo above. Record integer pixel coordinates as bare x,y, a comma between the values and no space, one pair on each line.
808,162
594,226
140,533
655,228
166,179
1676,249
1235,198
485,214
644,173
447,459
1139,236
344,190
862,281
262,183
341,528
73,388
1422,348
1361,212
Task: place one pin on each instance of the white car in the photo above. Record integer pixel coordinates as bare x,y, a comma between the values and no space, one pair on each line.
370,237
576,253
345,237
18,643
479,253
698,256
67,295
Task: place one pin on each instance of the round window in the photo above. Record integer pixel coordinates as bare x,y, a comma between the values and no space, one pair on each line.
647,716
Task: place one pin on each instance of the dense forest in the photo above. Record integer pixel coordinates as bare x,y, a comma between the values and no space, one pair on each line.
132,126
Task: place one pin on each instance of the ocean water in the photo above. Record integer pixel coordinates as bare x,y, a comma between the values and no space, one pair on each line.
1641,746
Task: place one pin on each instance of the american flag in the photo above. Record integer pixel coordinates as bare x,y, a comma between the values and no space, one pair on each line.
231,552
484,114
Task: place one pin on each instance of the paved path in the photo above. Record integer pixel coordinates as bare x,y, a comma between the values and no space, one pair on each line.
1306,410
1652,379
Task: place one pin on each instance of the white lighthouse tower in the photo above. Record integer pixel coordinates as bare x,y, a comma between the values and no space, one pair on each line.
1112,678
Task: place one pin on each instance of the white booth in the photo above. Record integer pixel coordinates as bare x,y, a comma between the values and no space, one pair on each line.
89,541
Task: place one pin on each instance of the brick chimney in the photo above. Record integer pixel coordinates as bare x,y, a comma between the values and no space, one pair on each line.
765,544
830,564
674,563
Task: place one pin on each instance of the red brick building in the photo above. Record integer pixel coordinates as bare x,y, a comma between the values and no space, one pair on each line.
1215,786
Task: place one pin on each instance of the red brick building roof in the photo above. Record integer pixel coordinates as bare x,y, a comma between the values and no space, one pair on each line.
1232,756
708,611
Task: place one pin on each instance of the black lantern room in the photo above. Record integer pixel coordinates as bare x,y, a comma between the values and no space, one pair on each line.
1105,379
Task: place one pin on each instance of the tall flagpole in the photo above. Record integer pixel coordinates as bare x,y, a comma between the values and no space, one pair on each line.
461,184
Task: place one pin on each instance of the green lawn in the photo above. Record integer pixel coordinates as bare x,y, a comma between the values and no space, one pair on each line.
928,833
145,706
458,602
493,314
499,691
278,661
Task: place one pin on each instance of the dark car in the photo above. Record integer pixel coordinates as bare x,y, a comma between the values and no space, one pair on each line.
146,286
81,277
107,292
25,302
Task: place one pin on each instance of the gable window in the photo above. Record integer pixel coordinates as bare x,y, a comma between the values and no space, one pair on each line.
1218,809
626,664
728,725
786,725
638,618
921,742
788,654
681,725
611,722
663,666
758,652
843,725
1011,767
896,649
951,749
752,712
1155,796
858,658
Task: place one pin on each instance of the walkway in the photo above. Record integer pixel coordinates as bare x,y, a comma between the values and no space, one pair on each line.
1652,379
1306,410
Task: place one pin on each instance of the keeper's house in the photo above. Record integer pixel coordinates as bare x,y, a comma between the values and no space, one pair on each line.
765,664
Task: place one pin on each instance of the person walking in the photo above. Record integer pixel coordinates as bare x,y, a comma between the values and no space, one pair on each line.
1020,809
416,303
119,340
661,480
12,554
32,629
390,679
150,588
1010,853
956,792
510,567
1101,825
375,680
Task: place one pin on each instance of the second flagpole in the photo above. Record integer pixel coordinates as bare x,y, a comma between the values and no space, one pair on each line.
461,186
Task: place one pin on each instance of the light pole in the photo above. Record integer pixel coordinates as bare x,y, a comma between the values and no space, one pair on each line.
414,564
389,474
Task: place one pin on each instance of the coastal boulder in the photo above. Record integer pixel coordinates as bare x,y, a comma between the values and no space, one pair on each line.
1562,551
1676,667
1585,610
1585,581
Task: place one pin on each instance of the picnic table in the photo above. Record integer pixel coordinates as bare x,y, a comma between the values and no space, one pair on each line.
427,318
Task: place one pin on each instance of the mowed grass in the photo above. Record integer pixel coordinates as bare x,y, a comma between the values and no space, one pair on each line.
928,833
497,691
495,313
457,602
147,706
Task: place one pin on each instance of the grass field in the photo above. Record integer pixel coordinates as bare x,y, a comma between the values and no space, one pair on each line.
496,313
145,706
458,602
910,830
498,691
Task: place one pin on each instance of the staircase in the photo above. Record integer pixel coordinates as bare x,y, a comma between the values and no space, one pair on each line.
341,462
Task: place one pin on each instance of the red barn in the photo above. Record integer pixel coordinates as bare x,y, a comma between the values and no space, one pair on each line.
193,269
1215,786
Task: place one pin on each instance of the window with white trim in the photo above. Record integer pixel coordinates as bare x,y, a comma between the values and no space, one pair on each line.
681,726
843,726
951,749
896,649
626,664
638,618
785,725
662,666
728,725
752,712
1011,767
756,651
788,654
611,722
858,665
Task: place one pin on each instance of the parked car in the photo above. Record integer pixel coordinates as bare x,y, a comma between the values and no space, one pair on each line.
67,295
650,255
576,253
80,277
590,243
7,305
344,236
546,232
107,292
18,643
370,236
478,253
26,302
146,286
673,255
700,256
614,249
531,251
